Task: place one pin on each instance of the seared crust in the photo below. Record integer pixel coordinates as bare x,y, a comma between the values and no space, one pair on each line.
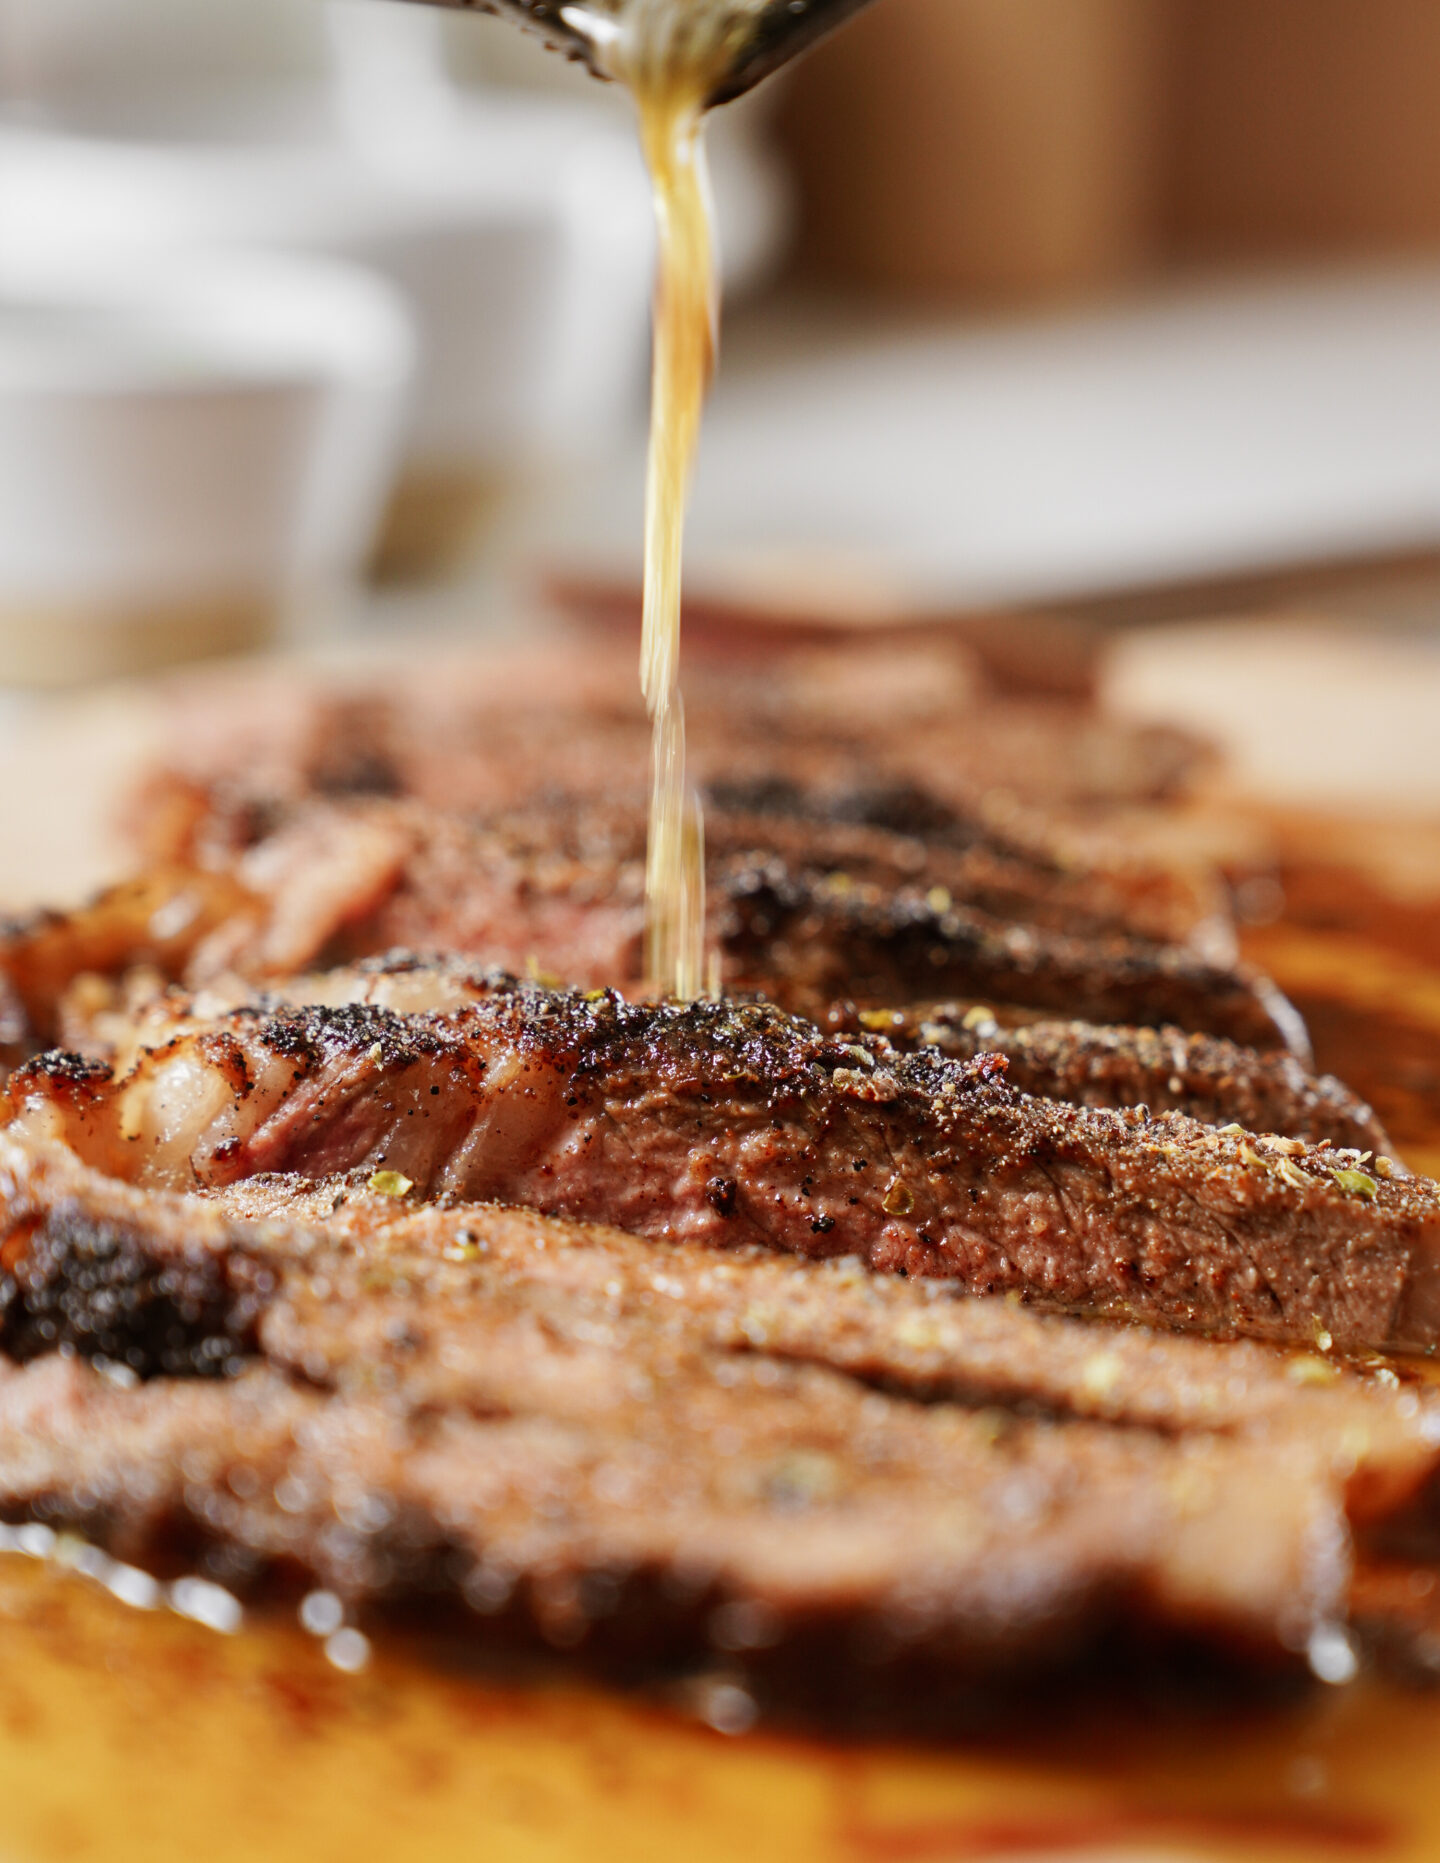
886,835
737,1125
1217,1082
805,940
828,913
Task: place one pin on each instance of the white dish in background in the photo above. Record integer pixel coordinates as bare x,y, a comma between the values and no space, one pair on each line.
189,448
519,229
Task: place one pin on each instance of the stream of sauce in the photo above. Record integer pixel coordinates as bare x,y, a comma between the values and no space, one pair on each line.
672,55
671,125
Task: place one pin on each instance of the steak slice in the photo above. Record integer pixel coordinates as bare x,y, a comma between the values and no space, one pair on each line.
486,732
340,881
846,912
891,834
881,834
715,1456
739,1125
805,940
831,1515
1217,1082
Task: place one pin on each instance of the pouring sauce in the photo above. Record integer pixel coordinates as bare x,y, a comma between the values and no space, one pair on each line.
685,318
673,59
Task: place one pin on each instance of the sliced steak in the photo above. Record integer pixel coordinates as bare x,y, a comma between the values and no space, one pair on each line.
727,1454
894,834
830,1511
563,893
881,835
491,731
805,940
1217,1082
740,1125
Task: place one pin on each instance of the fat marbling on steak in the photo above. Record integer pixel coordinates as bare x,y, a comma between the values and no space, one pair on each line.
737,1124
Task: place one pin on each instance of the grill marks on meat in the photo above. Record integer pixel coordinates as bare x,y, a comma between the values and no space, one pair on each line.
739,1125
1217,1082
495,1401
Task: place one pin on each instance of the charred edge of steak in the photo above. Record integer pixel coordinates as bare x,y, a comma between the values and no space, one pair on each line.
76,1280
64,1072
688,1643
841,1677
599,1036
312,1032
802,939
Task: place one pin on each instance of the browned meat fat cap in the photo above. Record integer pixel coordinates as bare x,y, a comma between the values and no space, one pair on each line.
738,1125
156,920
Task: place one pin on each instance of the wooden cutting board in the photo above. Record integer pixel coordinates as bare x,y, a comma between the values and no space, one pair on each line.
129,1737
127,1734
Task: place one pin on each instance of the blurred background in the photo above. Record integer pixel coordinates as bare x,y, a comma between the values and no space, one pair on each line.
322,319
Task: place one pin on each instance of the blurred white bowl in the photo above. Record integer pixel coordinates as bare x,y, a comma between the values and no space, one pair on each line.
518,228
189,448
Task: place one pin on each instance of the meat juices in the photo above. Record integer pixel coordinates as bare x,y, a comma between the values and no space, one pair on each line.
737,1125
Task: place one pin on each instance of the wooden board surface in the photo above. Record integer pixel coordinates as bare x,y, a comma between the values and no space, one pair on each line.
126,1734
130,1737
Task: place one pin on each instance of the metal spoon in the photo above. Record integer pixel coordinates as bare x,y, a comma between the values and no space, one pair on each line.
779,31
